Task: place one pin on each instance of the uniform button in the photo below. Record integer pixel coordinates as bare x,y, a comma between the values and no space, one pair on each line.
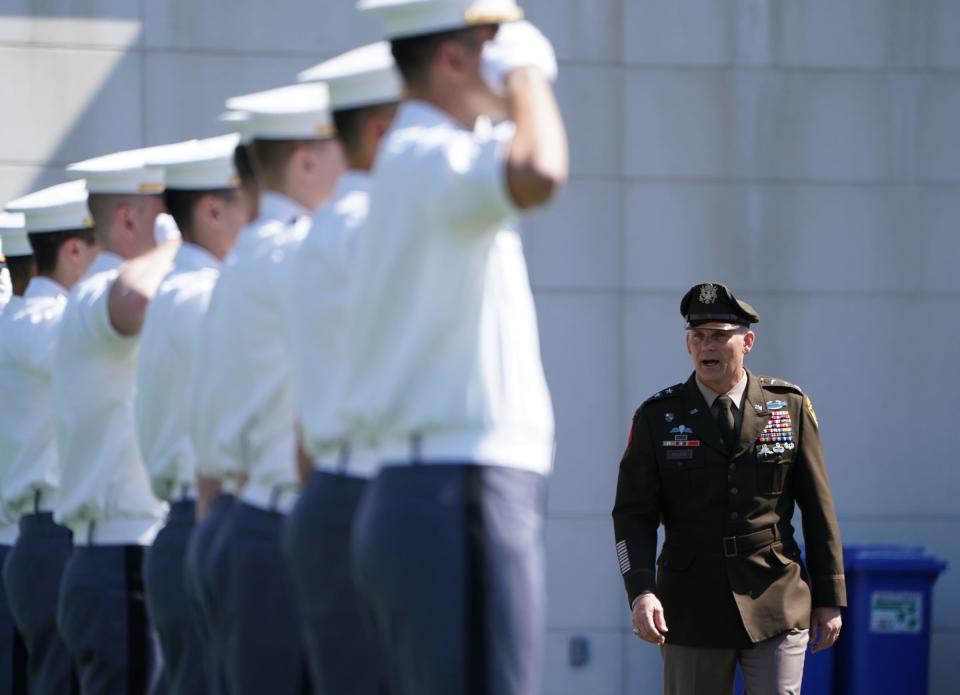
734,491
733,466
734,515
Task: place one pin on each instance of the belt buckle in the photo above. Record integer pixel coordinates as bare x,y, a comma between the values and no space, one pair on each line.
730,546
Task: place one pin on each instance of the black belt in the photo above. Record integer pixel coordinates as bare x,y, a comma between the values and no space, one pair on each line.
735,546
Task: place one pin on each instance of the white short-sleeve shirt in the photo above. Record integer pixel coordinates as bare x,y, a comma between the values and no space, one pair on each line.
102,477
320,279
245,353
167,349
28,452
443,339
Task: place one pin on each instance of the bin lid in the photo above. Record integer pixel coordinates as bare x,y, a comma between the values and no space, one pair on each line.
891,559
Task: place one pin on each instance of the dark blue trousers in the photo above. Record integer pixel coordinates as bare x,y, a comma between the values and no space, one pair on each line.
102,614
32,575
263,650
13,651
174,617
450,557
337,626
206,578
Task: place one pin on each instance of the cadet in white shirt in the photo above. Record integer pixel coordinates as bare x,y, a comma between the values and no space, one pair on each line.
13,237
104,495
216,490
246,365
18,256
61,236
444,366
201,193
341,648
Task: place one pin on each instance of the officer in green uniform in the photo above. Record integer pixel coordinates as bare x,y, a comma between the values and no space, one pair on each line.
720,461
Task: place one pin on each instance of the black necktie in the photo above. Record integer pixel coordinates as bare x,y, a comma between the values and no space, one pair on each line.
725,420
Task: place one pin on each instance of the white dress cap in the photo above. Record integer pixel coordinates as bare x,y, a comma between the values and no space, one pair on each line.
237,122
56,209
402,18
123,173
362,77
296,112
13,236
199,165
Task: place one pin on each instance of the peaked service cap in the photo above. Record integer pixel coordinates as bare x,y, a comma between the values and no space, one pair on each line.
364,76
123,173
13,235
199,165
55,209
711,302
405,18
295,112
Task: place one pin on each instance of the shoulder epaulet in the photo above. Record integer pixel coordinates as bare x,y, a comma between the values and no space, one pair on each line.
666,393
769,381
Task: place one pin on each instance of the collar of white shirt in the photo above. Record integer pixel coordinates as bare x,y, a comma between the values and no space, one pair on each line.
277,206
736,393
105,260
354,180
192,257
42,286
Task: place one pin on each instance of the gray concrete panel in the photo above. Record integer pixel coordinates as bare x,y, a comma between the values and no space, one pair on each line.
583,579
321,29
938,137
869,34
575,242
590,99
99,23
677,32
581,30
70,104
213,78
582,365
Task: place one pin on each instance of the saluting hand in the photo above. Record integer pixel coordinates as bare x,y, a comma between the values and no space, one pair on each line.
824,628
648,621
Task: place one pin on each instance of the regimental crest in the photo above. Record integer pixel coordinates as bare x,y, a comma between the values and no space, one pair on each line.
708,293
668,417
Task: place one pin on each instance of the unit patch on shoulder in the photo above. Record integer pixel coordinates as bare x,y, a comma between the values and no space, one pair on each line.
813,415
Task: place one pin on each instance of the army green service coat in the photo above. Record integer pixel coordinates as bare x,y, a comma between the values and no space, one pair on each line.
729,573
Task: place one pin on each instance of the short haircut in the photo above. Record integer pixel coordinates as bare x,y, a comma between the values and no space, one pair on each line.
350,122
21,268
46,246
102,206
243,165
270,158
182,206
415,54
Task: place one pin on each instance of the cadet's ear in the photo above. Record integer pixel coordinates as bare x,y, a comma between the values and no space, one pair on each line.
748,339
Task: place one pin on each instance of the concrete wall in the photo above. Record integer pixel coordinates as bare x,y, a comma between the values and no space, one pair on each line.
805,152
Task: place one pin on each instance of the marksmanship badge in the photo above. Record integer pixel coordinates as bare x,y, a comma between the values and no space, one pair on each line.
708,293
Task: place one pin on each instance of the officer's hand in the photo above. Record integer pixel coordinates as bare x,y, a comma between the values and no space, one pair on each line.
516,45
648,622
824,628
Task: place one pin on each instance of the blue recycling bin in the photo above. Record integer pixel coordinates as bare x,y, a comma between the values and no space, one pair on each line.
885,643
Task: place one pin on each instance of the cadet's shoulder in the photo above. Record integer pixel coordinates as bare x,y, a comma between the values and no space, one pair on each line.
776,384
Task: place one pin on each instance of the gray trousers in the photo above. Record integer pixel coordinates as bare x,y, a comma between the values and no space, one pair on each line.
172,614
205,578
450,557
32,574
102,615
263,652
337,627
771,667
13,651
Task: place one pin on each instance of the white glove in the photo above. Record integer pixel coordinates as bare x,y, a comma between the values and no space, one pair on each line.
516,45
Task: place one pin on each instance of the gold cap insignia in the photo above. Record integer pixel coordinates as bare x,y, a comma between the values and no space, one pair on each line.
708,293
